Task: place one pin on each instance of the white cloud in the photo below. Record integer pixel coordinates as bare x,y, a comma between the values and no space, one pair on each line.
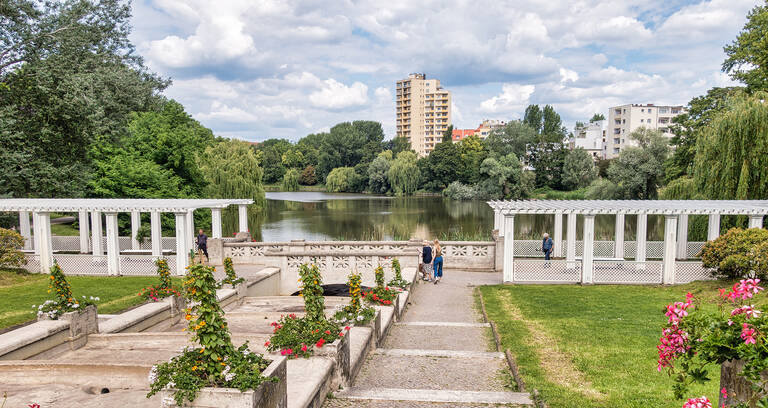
568,75
383,95
335,95
513,97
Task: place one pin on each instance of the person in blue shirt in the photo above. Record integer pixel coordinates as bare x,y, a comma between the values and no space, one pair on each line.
546,247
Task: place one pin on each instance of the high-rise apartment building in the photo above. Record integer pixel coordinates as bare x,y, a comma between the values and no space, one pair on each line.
591,137
624,119
423,112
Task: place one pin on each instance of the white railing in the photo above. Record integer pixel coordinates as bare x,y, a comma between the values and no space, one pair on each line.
687,271
89,265
626,272
541,271
605,272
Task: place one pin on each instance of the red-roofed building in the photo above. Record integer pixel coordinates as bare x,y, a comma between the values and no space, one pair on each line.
459,134
482,131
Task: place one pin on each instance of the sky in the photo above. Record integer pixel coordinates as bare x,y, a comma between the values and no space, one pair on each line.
260,69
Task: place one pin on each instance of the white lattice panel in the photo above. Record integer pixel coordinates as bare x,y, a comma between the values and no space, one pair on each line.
82,264
691,271
655,250
65,243
538,270
626,272
33,263
528,248
694,248
603,249
142,265
630,248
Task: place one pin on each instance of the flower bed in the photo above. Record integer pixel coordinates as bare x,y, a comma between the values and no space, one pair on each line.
380,294
64,301
734,337
355,313
398,280
165,288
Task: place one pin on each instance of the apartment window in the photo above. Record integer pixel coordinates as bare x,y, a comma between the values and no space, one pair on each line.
617,111
622,141
641,121
663,110
616,131
616,150
616,140
642,110
675,110
625,111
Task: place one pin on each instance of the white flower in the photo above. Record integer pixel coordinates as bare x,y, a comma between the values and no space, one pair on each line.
360,318
34,306
83,296
96,298
75,306
170,385
168,402
152,374
229,376
39,314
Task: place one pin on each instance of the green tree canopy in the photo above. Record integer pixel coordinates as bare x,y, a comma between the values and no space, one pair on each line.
503,178
732,152
747,56
404,175
340,179
441,167
291,180
472,153
378,181
231,170
513,138
638,172
578,169
597,117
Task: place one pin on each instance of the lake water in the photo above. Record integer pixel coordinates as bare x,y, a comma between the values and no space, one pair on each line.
316,216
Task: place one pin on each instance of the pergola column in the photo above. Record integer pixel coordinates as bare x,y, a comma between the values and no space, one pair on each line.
496,219
24,229
756,221
216,223
642,234
82,220
570,253
190,231
588,256
44,242
682,237
157,235
558,252
182,250
670,249
502,223
113,247
509,248
96,233
135,225
36,233
713,227
618,244
242,217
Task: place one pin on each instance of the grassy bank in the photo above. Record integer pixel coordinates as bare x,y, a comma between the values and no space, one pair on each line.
592,346
278,187
19,291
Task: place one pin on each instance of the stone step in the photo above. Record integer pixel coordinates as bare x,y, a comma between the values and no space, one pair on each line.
437,373
440,396
437,353
470,338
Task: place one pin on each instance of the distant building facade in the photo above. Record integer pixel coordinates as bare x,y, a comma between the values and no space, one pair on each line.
624,119
591,137
482,131
423,112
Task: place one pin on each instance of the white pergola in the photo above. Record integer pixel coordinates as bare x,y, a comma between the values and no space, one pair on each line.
41,209
676,214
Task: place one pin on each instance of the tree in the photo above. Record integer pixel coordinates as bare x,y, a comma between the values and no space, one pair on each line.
732,152
67,74
231,170
472,153
747,56
339,179
503,178
293,158
533,117
272,151
440,167
639,171
448,135
547,159
308,177
397,145
597,117
378,181
404,174
578,169
552,126
513,138
291,180
602,189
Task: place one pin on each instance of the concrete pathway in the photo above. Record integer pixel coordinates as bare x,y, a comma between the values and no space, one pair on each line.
440,355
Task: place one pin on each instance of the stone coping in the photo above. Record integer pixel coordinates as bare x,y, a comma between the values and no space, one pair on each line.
263,274
111,375
24,336
132,317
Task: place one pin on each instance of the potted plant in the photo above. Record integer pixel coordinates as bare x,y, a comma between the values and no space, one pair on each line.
81,313
355,313
398,281
213,372
381,294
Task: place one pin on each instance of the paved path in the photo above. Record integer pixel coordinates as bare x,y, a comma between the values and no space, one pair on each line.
440,355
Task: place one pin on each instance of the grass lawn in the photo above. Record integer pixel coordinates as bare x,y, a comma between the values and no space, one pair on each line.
19,291
593,346
64,230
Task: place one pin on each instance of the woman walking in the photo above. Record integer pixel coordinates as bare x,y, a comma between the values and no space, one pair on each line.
426,259
438,262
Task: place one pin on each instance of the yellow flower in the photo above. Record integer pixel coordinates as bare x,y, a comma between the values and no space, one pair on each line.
194,368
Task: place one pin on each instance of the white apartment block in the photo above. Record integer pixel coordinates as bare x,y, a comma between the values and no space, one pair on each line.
591,138
624,119
423,112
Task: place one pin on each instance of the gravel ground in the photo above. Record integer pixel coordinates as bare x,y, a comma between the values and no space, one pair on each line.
432,373
439,338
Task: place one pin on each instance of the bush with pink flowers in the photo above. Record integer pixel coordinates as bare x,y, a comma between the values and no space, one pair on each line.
695,338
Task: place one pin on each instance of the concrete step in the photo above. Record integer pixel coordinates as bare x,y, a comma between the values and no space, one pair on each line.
470,338
435,373
437,353
451,397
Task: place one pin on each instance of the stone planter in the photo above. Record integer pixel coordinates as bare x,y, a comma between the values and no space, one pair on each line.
178,308
268,395
81,324
338,351
375,325
739,389
241,289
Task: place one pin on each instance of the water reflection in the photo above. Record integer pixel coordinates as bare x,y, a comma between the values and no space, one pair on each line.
321,216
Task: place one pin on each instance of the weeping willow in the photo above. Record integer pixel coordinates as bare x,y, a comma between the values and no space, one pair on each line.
732,152
404,175
291,180
231,170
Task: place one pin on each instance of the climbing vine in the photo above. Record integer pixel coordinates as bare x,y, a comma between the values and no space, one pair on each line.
231,278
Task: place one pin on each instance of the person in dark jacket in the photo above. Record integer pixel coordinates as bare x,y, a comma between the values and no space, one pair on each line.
202,242
426,260
546,248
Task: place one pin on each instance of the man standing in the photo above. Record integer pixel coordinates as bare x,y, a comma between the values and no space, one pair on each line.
202,243
546,247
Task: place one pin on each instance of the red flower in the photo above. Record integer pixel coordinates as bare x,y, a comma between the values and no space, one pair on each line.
341,334
266,344
320,343
327,332
346,328
303,347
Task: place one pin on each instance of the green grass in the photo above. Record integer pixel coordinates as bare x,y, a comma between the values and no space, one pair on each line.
546,193
20,290
64,229
607,334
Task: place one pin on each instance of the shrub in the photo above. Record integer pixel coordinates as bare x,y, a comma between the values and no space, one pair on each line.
291,180
298,336
10,255
602,189
460,191
308,176
229,269
736,254
64,301
216,363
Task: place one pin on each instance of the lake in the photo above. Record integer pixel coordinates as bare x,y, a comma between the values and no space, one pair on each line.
316,216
